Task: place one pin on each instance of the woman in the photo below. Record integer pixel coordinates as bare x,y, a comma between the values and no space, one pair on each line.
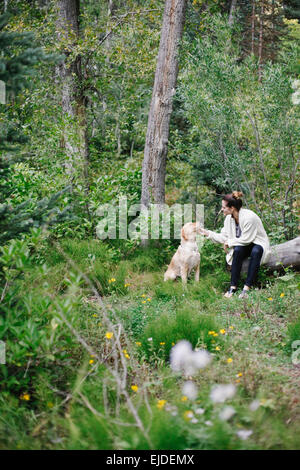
243,235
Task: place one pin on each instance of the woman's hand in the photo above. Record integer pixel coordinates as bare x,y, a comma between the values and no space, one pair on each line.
203,231
226,247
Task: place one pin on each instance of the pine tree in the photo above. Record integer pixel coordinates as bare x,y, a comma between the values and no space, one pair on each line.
18,60
263,27
292,9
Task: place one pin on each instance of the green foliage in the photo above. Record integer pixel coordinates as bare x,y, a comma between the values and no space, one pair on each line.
17,65
293,334
33,336
163,332
31,213
236,136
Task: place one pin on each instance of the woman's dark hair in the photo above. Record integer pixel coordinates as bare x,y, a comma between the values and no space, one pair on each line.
234,199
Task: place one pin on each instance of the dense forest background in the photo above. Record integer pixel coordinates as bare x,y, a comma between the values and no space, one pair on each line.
73,125
83,114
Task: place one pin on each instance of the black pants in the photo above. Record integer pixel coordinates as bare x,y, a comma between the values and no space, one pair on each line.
240,253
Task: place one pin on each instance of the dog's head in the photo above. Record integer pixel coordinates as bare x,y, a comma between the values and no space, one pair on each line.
190,230
169,275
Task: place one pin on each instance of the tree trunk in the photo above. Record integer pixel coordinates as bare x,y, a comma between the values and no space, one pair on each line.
156,146
68,33
232,12
282,255
260,42
73,99
253,27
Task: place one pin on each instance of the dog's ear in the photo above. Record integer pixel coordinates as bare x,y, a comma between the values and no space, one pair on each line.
183,235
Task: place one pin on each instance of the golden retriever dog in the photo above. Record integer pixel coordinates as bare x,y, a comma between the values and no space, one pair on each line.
187,256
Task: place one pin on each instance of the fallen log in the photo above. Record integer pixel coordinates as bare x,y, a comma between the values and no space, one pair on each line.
282,256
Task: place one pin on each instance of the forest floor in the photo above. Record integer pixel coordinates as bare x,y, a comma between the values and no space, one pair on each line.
74,402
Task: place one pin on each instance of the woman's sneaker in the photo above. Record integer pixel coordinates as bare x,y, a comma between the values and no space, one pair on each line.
230,292
244,294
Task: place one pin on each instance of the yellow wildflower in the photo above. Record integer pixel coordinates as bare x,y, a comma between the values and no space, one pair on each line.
25,397
162,343
184,398
134,388
149,300
239,374
237,381
95,315
91,361
173,344
218,348
161,404
109,335
211,332
215,334
143,301
138,343
143,295
231,327
126,354
229,360
282,294
270,298
126,285
223,331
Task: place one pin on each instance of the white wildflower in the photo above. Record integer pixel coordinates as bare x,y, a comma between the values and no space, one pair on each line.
200,411
180,355
226,413
296,97
295,84
194,420
208,423
201,359
150,339
254,405
190,390
221,393
184,359
244,434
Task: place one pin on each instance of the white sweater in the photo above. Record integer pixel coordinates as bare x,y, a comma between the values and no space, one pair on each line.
252,232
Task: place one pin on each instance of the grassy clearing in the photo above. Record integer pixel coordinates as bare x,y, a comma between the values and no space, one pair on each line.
56,394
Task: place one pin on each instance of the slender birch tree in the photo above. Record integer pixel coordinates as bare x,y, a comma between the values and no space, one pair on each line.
156,146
